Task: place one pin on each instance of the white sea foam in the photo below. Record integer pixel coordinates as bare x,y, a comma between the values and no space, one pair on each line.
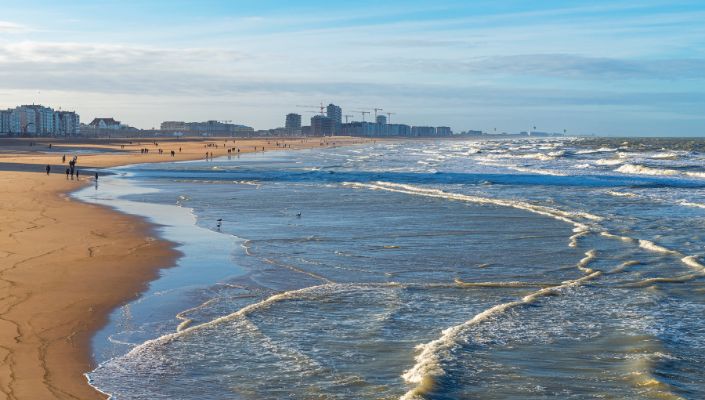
696,174
653,247
240,313
600,150
693,262
537,171
582,265
670,279
535,156
502,284
429,360
608,161
623,266
643,170
317,290
186,321
617,237
621,194
526,156
691,204
668,155
574,238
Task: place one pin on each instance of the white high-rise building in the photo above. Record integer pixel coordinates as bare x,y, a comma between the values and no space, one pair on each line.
23,121
37,120
67,123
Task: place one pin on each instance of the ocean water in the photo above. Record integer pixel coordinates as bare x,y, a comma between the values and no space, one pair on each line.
508,269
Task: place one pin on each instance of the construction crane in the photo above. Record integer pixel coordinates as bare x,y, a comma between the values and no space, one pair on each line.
389,117
377,109
363,114
346,118
322,107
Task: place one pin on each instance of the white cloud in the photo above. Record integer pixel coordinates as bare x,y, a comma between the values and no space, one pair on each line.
109,54
12,27
562,66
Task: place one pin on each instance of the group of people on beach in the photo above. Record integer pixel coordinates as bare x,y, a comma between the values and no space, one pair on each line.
71,170
145,150
72,167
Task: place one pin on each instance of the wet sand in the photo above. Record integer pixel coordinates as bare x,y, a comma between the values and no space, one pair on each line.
65,265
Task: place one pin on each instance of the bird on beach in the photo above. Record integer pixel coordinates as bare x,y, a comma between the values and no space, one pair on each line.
220,222
298,215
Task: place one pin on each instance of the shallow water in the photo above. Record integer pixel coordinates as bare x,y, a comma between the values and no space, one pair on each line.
441,270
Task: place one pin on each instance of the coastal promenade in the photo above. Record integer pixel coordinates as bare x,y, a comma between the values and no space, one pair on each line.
65,265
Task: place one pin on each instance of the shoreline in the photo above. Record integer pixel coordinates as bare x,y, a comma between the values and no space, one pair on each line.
67,264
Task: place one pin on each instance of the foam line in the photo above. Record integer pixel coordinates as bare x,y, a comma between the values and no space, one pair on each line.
689,260
186,321
580,228
429,360
651,281
623,266
283,296
653,247
500,284
240,313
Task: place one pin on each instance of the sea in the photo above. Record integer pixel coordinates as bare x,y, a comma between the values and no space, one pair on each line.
531,268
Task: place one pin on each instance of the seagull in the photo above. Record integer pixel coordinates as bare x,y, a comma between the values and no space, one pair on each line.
220,221
298,215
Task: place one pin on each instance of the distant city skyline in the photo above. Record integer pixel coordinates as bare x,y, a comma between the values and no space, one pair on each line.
612,68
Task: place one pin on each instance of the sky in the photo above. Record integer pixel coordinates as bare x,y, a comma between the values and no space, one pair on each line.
589,67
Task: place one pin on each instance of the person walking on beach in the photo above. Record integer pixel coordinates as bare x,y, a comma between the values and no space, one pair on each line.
76,174
48,168
67,173
96,177
63,159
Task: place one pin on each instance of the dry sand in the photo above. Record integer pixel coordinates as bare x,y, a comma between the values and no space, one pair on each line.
65,265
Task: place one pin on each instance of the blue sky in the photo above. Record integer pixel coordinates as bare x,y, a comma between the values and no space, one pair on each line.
615,68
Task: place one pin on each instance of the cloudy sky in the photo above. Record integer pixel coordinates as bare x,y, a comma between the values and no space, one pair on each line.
604,67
